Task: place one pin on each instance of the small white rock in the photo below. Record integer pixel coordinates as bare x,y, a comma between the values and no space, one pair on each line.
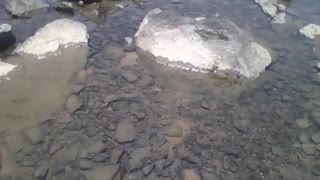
5,28
121,6
200,18
310,31
128,40
279,18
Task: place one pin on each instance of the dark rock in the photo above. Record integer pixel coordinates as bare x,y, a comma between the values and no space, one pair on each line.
129,76
7,39
73,103
41,171
148,169
205,105
138,157
65,7
85,164
33,134
116,155
95,148
229,163
125,132
113,52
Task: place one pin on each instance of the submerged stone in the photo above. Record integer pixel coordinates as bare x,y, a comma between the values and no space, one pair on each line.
204,46
57,33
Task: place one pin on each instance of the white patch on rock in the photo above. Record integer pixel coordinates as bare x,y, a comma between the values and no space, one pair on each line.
268,7
279,18
48,39
188,44
310,31
5,28
22,7
200,18
5,68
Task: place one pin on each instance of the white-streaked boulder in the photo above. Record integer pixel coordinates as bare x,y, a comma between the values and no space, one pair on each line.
204,46
5,68
48,39
310,31
22,8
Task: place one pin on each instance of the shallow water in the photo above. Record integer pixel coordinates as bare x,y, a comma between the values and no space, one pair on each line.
288,90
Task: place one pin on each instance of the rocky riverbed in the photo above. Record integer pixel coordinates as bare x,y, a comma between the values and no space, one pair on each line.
100,111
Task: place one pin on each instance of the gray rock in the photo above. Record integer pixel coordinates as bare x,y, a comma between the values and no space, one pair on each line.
148,169
129,76
33,134
174,131
73,103
147,80
268,7
316,137
22,8
138,157
278,151
302,123
102,157
203,46
108,172
41,171
125,132
304,139
113,52
308,149
315,170
116,155
85,164
97,147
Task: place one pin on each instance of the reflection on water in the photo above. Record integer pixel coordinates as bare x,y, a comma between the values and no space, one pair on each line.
37,87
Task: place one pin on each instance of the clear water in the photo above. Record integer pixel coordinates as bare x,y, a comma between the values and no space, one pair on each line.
287,91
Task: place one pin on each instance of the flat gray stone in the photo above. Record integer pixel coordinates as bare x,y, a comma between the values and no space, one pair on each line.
85,164
308,149
73,103
33,134
125,132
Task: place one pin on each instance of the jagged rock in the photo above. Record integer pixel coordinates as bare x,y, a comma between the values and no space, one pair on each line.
204,46
23,8
61,32
310,31
6,37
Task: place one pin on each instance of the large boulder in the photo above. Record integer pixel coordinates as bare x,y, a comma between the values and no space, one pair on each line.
204,45
6,37
49,38
23,8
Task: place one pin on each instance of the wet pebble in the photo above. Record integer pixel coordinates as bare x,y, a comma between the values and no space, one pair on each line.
125,132
302,123
85,164
308,149
73,103
316,137
174,131
129,76
95,148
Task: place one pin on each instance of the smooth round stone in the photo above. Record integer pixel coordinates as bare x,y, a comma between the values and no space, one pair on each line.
302,123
